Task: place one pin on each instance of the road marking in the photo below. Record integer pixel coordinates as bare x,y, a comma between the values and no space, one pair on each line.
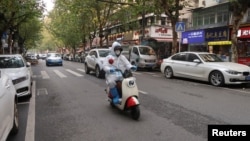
136,73
45,75
142,92
151,73
59,74
42,91
156,75
30,129
75,73
82,70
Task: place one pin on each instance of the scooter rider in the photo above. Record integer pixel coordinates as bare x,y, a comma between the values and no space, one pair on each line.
115,61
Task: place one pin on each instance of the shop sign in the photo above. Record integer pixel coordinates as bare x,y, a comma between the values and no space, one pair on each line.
160,32
244,32
196,36
216,34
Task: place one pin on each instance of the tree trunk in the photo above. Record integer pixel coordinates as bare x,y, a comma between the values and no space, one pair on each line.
234,50
175,37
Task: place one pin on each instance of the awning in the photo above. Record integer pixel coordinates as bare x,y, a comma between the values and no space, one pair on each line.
220,43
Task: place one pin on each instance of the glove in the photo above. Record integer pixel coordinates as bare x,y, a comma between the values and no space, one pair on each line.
133,68
112,70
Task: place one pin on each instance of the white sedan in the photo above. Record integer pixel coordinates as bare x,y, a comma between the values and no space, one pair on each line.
205,66
20,72
8,107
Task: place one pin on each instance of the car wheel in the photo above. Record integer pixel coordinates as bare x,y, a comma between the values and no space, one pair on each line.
168,72
86,69
97,72
216,78
15,126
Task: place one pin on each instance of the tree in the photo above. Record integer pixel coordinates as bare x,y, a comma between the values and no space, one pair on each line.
239,9
172,9
14,13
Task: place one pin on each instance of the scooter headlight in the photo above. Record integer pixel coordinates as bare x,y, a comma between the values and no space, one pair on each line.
131,83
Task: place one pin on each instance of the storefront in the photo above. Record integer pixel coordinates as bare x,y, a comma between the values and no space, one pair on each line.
244,45
218,42
193,41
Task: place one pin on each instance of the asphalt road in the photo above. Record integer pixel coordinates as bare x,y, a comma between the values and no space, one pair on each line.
70,105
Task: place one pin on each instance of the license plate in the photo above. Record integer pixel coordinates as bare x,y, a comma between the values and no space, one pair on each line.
247,78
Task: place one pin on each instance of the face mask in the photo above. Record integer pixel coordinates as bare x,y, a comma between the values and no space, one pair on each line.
117,52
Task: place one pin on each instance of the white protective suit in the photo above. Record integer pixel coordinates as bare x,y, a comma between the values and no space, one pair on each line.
120,62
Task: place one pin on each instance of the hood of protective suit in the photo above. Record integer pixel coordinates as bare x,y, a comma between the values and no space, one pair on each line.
112,52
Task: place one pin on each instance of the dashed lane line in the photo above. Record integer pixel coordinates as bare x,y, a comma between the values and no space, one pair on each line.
142,92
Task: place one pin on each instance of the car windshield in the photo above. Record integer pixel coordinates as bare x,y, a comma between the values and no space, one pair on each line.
146,51
11,62
210,58
103,53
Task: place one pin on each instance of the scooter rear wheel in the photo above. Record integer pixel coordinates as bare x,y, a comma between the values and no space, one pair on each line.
135,112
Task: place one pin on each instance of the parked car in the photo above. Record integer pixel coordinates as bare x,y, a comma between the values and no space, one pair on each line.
94,61
77,58
83,56
8,107
54,59
142,56
205,66
43,56
20,72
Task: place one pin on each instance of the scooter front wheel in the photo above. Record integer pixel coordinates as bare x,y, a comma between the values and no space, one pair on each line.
135,112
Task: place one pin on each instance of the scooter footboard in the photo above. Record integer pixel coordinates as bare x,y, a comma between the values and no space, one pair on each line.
132,101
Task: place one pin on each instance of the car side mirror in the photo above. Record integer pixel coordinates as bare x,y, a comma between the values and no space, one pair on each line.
93,56
197,61
28,64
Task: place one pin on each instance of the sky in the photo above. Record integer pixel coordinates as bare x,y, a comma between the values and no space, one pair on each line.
49,5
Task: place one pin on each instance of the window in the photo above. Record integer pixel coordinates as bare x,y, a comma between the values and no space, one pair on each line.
191,57
179,57
135,50
93,53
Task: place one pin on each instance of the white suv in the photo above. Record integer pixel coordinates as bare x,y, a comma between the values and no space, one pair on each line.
20,72
94,61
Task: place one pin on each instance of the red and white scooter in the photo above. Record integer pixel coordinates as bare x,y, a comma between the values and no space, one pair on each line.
129,95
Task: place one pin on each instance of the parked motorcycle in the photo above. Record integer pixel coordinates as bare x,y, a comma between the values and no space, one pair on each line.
129,94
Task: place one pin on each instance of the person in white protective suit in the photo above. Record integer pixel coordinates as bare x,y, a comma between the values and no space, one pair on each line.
115,60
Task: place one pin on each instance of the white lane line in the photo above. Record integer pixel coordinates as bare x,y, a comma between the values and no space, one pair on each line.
142,92
59,74
82,70
45,75
30,128
42,91
75,73
156,75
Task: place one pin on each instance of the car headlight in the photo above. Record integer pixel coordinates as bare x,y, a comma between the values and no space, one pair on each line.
233,72
20,79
